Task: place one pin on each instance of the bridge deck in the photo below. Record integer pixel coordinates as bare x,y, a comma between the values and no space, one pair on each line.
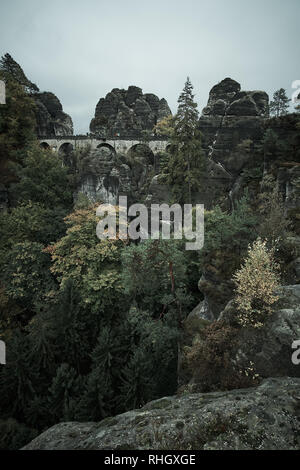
119,144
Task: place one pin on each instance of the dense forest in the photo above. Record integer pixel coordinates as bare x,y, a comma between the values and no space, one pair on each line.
94,327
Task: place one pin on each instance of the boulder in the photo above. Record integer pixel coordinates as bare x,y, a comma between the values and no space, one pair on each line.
266,417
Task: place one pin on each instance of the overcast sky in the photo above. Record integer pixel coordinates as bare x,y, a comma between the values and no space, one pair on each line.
81,49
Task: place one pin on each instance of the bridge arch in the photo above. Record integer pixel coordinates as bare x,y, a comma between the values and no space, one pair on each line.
107,146
45,145
65,148
141,151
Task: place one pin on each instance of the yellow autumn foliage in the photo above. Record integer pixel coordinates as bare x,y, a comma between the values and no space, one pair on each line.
256,284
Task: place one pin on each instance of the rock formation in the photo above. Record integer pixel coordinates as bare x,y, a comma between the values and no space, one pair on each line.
126,113
231,117
260,418
232,124
103,177
267,349
106,175
51,120
285,165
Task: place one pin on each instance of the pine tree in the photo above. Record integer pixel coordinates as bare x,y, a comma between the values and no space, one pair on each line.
280,104
95,403
18,377
65,393
103,382
75,328
137,385
186,163
17,127
10,67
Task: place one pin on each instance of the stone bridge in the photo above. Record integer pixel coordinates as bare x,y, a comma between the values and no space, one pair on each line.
121,145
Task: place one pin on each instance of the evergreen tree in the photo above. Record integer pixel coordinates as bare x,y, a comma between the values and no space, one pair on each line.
137,380
108,359
17,127
75,328
95,403
17,378
150,371
186,163
280,104
64,393
10,67
155,276
43,348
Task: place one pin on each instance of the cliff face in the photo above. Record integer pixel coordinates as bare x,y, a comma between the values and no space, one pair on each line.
231,117
51,120
106,175
128,112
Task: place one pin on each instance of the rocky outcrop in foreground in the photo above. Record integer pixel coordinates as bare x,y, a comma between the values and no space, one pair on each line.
264,417
51,120
126,113
264,352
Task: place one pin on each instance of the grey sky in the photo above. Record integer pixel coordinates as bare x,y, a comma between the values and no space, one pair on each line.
80,50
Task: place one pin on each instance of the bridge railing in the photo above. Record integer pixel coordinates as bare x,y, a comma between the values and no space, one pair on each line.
101,138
